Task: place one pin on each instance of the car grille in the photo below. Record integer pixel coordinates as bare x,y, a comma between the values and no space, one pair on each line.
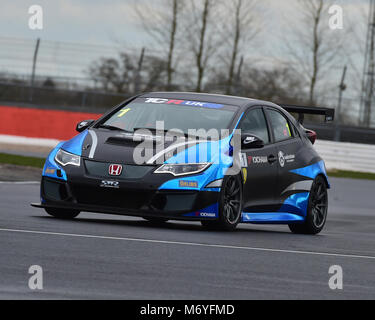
54,190
100,169
116,198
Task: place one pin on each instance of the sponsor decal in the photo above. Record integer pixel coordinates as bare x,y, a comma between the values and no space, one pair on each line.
249,140
257,159
209,212
290,158
115,170
207,215
285,158
188,184
82,124
281,159
260,160
110,184
185,103
243,160
244,174
50,171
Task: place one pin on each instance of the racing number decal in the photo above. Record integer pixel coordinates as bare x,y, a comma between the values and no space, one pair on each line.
123,112
244,175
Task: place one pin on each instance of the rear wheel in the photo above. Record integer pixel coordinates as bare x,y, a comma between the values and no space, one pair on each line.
230,205
62,213
317,210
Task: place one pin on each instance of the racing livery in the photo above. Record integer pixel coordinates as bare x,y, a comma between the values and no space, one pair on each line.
281,179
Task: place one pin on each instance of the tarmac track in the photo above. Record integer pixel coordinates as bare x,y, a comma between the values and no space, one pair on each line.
111,257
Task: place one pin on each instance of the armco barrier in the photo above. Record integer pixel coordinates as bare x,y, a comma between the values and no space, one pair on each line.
347,156
18,125
40,123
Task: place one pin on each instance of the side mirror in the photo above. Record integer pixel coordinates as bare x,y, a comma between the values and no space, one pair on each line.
83,125
250,141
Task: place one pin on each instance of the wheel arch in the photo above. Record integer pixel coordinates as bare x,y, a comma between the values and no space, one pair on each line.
325,178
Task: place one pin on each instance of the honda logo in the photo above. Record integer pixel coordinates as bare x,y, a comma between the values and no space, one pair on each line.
115,169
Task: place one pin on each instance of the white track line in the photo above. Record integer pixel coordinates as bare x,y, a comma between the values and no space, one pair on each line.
18,140
191,244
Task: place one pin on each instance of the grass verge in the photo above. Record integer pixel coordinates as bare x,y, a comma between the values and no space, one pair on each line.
21,160
351,175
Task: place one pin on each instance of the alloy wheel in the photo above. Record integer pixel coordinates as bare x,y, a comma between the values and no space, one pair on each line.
319,204
232,200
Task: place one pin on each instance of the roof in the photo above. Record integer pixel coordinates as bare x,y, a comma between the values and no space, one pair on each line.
205,97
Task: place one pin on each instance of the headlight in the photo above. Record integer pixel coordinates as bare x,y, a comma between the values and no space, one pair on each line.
64,158
183,169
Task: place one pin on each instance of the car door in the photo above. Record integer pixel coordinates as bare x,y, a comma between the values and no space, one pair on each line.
260,165
289,147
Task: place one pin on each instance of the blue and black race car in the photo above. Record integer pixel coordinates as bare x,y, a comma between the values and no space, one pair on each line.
216,159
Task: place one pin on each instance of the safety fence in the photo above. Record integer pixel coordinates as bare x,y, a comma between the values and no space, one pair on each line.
347,156
29,126
63,99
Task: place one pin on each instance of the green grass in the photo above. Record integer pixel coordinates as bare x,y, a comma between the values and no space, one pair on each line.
21,160
351,175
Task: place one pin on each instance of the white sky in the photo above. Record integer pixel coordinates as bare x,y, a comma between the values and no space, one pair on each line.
112,22
102,22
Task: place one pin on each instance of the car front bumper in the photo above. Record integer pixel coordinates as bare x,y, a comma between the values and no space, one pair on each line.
86,194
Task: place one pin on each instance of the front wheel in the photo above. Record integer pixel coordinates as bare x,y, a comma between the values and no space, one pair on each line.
230,205
62,213
317,210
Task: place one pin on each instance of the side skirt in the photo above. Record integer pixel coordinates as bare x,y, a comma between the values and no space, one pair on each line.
271,218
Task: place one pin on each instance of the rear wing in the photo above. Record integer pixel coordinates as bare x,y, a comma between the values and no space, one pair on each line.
329,114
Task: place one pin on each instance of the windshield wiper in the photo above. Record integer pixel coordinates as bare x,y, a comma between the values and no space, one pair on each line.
165,131
113,128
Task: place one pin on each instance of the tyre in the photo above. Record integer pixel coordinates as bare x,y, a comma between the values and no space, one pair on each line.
317,210
62,213
230,205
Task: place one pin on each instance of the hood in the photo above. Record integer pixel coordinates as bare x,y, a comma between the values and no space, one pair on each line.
109,146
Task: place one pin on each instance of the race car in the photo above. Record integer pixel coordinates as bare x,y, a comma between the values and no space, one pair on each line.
151,157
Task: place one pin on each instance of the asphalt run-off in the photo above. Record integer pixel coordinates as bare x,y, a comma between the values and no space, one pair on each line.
99,256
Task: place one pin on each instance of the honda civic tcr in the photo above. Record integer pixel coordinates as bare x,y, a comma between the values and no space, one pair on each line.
216,159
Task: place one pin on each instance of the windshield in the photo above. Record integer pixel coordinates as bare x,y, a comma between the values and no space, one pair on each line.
143,113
